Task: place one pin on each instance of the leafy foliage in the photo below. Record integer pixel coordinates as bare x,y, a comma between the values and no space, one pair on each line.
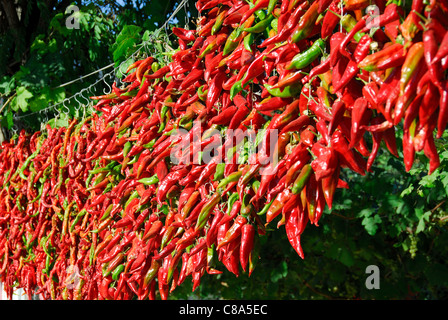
43,68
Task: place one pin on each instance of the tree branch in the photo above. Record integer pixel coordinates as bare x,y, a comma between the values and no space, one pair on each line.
11,13
17,28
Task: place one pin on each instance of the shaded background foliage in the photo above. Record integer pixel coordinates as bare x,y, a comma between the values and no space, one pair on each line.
40,57
390,218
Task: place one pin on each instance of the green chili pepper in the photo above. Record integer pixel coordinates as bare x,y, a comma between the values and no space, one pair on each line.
135,158
131,93
19,206
28,160
163,112
286,92
303,59
271,6
301,179
232,41
41,188
211,130
218,22
155,66
230,202
248,41
77,219
254,255
219,173
126,148
265,208
260,14
207,209
274,24
107,212
348,23
133,195
150,180
236,88
106,168
256,185
202,94
89,179
260,26
117,271
152,272
246,207
234,176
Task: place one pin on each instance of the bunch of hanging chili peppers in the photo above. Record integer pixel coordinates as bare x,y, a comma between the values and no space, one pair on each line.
114,207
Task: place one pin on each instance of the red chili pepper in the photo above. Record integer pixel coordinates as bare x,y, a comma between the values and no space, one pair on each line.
331,18
272,103
247,244
297,124
242,112
430,51
442,51
306,23
443,109
285,28
142,67
389,57
324,4
429,105
186,35
391,13
276,208
431,152
347,156
408,147
213,230
234,231
352,68
259,5
234,211
215,90
360,116
281,120
206,210
171,179
325,162
292,227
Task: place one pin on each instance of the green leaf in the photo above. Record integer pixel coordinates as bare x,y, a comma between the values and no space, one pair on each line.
280,272
445,182
370,221
6,85
38,103
422,221
407,191
21,99
428,181
128,37
346,257
7,121
53,95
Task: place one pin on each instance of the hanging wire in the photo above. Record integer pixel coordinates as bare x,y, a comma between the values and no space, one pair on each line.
110,74
187,9
85,76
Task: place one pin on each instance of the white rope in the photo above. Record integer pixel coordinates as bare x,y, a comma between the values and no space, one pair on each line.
110,74
85,76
